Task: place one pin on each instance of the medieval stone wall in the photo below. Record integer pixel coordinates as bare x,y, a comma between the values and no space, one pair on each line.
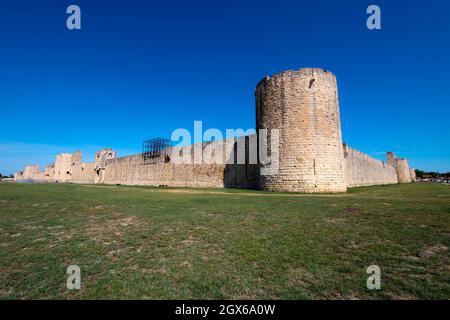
63,166
302,105
83,173
31,171
363,170
100,163
68,167
49,172
403,172
215,173
412,174
390,157
18,176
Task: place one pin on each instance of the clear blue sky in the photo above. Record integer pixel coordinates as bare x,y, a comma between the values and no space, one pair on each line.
141,69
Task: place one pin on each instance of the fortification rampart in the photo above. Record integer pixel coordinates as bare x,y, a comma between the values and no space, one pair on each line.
49,172
215,173
83,173
68,167
31,173
62,167
412,174
363,170
300,107
403,172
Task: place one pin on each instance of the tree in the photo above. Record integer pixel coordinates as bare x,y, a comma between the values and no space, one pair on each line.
419,173
432,174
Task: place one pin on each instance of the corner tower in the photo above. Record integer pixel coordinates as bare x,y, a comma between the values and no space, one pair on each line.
304,106
403,172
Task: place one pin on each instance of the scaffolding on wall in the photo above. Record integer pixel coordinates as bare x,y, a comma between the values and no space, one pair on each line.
156,150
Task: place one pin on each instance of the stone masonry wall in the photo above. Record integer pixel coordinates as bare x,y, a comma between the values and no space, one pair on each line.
390,156
50,172
100,163
83,173
412,174
131,170
63,166
30,173
304,106
69,167
403,173
18,176
363,170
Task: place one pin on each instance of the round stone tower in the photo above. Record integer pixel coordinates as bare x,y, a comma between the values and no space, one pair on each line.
303,105
403,172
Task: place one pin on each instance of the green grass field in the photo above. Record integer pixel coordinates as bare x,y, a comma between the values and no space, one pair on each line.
150,243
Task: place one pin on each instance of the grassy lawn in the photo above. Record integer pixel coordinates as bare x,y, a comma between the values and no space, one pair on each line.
149,243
